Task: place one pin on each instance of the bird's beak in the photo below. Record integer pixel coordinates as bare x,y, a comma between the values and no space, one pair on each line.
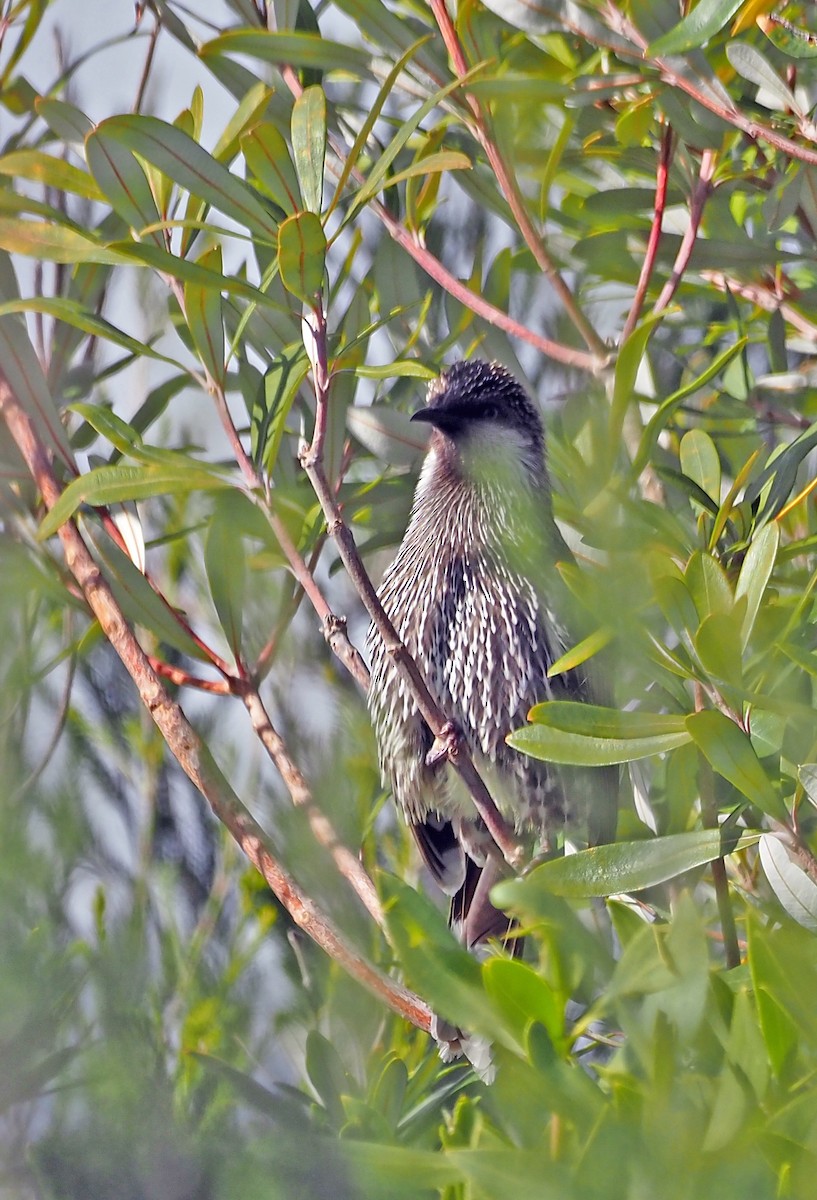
439,418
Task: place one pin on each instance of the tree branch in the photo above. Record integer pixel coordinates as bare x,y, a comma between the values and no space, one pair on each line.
185,744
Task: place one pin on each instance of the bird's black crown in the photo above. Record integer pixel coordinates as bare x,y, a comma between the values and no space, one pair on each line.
473,391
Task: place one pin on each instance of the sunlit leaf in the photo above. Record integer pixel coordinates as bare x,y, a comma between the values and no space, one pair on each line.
566,731
309,145
301,255
729,752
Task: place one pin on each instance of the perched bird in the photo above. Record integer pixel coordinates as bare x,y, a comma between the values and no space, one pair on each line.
470,594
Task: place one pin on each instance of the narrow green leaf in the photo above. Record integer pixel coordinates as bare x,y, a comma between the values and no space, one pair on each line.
301,255
661,417
429,164
53,243
72,313
292,49
267,156
49,171
627,365
68,122
205,320
309,145
225,564
581,652
717,642
728,751
178,156
27,381
755,574
706,19
567,731
123,182
700,462
371,117
376,177
523,997
281,384
110,485
609,870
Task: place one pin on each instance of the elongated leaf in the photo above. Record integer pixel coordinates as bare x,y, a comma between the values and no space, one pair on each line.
66,120
281,384
580,653
789,882
700,461
729,752
708,585
429,164
755,574
754,66
109,485
72,313
309,144
203,309
293,49
181,158
301,255
225,564
609,870
267,156
663,413
22,369
53,243
50,171
706,19
123,181
566,731
627,365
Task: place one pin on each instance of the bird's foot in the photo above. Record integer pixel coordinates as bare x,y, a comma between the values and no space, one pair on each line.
445,744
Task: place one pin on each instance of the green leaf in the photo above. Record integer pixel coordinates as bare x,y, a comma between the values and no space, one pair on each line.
302,255
25,377
281,384
53,243
755,574
610,870
110,485
700,462
661,417
293,49
68,122
627,364
205,320
267,156
567,731
789,882
225,564
50,171
717,642
706,19
754,66
707,583
178,156
523,997
309,145
429,164
728,751
123,182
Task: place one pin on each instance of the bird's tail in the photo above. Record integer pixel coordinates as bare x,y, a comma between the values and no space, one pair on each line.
474,918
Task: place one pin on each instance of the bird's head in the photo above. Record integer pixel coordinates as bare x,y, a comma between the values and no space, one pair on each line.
484,421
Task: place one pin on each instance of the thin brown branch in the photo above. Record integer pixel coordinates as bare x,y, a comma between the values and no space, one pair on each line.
510,189
656,230
312,462
767,298
146,69
185,744
700,195
347,863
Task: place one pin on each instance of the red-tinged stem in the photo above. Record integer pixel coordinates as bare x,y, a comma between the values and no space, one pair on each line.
656,229
700,195
182,678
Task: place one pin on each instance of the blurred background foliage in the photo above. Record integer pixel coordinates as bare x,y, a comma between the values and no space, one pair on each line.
620,203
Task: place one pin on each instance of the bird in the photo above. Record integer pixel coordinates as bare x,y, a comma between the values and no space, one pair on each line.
471,594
